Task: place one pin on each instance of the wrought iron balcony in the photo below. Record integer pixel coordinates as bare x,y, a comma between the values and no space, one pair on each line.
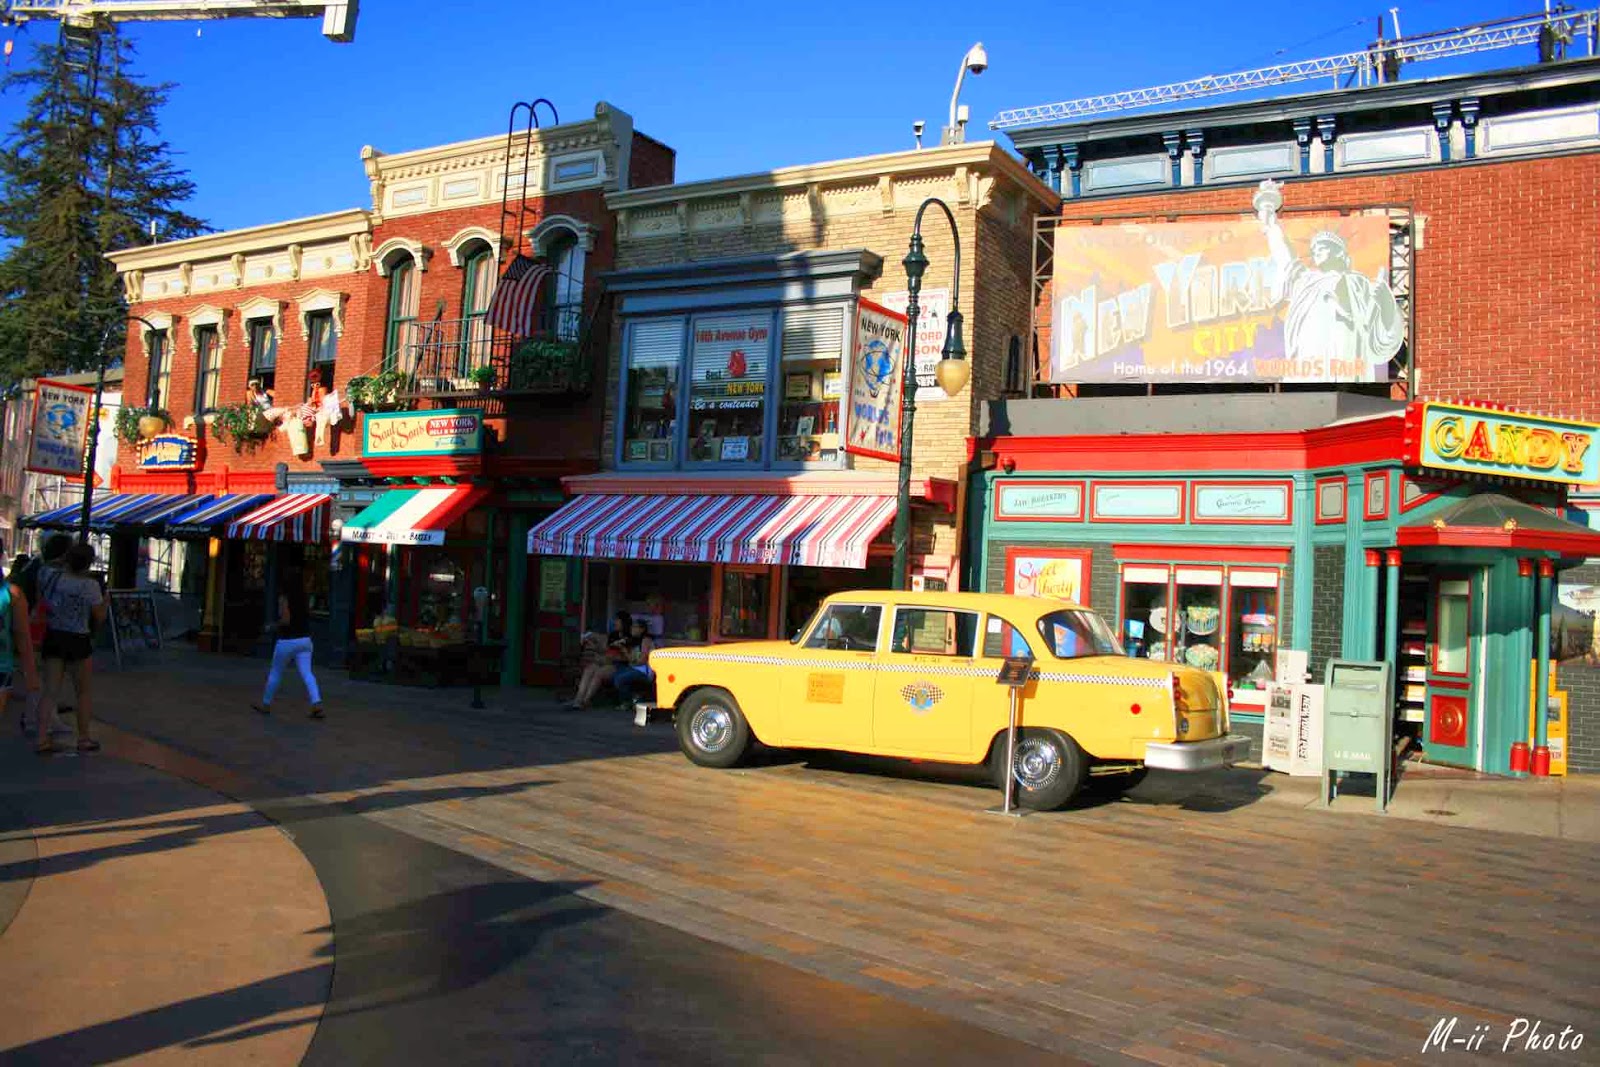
451,358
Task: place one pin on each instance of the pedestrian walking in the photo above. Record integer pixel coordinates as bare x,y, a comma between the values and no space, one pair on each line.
294,643
75,607
51,557
16,646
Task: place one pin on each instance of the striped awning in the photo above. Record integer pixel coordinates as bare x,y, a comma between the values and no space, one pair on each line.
412,516
104,511
154,513
807,531
300,517
211,513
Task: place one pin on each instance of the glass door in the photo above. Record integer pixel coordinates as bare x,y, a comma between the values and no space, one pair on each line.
1452,668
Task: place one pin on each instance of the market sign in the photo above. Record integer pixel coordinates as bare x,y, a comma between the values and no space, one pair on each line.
451,432
933,322
1304,298
872,426
169,452
60,414
1463,438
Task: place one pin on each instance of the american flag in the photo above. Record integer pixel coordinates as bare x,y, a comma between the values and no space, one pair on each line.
514,307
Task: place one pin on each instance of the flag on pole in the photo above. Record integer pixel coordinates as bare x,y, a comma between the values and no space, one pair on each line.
514,307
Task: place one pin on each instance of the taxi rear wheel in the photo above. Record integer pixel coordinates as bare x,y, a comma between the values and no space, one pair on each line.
712,731
1048,766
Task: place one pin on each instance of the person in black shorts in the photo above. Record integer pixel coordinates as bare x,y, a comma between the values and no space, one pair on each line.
76,607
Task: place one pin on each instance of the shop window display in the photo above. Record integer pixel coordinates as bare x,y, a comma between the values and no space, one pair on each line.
1144,611
1214,618
1252,628
655,351
810,377
810,586
746,599
727,388
442,598
675,599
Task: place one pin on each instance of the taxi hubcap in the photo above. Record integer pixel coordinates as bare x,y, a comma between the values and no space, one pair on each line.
1038,763
712,728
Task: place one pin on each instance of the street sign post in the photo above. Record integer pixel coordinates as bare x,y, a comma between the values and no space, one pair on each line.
1358,699
1014,675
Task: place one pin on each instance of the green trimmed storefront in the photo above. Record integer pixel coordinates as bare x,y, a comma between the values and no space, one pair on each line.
1218,530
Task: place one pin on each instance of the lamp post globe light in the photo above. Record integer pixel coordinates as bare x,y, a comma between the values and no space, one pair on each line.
952,373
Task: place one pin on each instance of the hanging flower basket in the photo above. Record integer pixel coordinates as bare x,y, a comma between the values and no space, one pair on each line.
242,424
140,424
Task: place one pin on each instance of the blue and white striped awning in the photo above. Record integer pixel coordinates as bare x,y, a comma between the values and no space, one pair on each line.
103,510
208,519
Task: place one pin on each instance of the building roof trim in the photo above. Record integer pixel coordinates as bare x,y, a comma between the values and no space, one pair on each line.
333,226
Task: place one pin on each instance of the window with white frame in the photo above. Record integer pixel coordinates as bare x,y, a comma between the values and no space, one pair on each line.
322,350
565,288
208,361
1219,617
159,381
263,354
741,379
477,287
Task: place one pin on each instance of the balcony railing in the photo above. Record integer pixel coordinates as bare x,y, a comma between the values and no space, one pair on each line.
446,358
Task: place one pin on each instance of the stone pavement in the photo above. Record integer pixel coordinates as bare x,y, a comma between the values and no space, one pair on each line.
145,917
1207,919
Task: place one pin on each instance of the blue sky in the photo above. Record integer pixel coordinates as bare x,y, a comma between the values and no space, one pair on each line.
269,117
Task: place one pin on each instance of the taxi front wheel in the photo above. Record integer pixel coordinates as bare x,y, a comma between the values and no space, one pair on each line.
712,731
1049,767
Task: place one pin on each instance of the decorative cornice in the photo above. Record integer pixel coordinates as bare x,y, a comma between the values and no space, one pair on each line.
221,246
539,236
208,315
321,300
261,307
814,179
456,247
384,255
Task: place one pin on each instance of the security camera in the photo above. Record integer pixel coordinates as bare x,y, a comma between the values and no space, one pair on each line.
977,59
917,127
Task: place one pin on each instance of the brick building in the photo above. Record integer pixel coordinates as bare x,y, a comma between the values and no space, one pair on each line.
335,398
737,301
1262,384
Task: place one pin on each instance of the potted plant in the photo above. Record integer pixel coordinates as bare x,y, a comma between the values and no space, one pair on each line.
140,424
242,424
377,392
483,377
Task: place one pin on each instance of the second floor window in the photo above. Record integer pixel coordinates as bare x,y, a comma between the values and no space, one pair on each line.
323,351
208,361
264,354
403,302
564,289
157,392
477,287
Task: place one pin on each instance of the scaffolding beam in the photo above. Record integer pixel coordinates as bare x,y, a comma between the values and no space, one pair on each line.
338,19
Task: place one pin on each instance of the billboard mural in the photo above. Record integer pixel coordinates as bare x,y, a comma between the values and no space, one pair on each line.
1302,298
875,398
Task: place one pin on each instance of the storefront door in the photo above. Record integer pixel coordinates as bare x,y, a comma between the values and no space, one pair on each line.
555,595
1455,666
923,703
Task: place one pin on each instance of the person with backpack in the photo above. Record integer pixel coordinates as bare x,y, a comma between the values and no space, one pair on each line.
16,645
75,607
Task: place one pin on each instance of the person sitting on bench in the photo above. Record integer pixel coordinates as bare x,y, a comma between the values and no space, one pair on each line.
637,680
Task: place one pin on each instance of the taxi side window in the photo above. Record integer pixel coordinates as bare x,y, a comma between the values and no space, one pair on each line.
848,627
1001,639
935,632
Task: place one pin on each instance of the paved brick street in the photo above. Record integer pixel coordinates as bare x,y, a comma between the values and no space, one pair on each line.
1207,921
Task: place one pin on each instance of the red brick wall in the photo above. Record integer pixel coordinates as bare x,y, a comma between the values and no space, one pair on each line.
652,163
293,361
1507,278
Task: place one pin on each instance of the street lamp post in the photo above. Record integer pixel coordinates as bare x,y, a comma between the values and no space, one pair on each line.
91,429
952,374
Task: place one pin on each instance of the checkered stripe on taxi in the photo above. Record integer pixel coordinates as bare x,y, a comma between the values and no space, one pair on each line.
952,670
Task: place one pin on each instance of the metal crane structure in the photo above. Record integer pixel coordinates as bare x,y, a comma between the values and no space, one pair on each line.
338,19
1553,31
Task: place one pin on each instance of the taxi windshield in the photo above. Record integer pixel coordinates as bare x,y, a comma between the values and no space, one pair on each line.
1076,634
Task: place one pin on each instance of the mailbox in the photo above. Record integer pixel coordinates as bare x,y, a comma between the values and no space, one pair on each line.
1358,700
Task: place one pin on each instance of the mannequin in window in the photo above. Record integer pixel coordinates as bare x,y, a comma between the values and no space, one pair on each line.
265,399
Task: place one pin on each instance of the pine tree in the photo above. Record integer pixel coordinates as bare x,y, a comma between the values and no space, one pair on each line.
83,173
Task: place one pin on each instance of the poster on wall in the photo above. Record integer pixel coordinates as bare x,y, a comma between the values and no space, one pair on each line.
1059,573
933,309
60,416
1574,637
873,419
1298,298
105,448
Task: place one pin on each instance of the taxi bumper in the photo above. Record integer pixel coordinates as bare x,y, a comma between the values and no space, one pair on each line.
1196,755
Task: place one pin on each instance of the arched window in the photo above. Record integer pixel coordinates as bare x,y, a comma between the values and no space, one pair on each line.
403,298
564,290
477,286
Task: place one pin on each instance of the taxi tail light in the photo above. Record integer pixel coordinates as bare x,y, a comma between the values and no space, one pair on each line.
1179,706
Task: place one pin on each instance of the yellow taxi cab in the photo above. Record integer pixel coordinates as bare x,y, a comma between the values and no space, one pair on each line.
913,675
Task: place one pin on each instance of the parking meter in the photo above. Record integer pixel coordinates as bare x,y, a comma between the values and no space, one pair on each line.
1358,703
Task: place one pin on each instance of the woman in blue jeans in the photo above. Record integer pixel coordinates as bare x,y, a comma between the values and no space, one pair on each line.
634,680
294,643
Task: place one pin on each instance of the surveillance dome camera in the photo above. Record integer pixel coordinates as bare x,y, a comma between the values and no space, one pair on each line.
917,127
977,59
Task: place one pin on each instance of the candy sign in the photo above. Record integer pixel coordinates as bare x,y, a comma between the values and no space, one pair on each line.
1456,437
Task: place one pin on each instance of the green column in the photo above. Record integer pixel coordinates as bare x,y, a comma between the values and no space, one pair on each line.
516,608
1391,612
1541,682
1305,554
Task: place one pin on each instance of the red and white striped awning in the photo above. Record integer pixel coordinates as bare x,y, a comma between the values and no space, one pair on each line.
807,531
299,517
